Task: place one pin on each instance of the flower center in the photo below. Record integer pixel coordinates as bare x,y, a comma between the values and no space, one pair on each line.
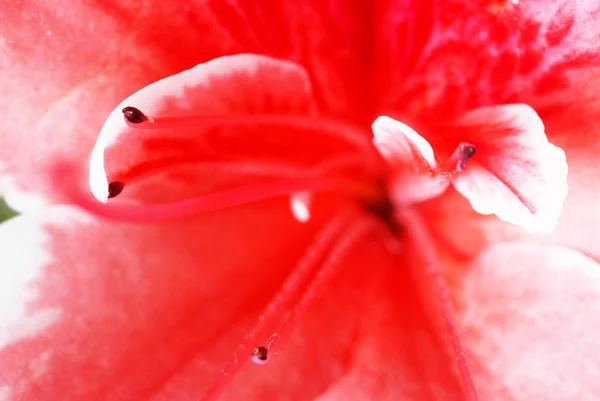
371,210
356,174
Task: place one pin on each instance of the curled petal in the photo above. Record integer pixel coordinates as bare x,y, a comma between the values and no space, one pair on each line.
69,75
225,87
416,175
412,156
232,110
400,144
530,314
517,174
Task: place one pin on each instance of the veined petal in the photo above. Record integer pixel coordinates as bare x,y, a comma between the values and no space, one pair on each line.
103,311
400,144
163,319
415,176
443,58
529,311
517,174
68,76
205,103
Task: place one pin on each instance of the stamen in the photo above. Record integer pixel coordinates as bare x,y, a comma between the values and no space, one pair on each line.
135,116
288,291
115,188
458,160
342,130
466,151
259,355
415,226
330,267
65,179
266,168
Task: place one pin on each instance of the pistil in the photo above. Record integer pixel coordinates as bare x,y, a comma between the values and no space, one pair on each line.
417,231
65,179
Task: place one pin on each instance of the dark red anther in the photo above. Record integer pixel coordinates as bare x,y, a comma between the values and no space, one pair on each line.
115,188
133,115
259,355
467,150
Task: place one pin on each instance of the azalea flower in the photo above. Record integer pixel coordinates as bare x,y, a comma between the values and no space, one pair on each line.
340,193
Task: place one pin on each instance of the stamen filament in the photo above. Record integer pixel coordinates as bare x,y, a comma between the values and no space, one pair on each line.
65,177
235,167
415,226
288,291
458,160
338,129
265,168
329,268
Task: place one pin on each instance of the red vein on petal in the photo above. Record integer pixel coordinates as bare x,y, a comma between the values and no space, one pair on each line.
357,232
65,180
532,209
284,296
415,226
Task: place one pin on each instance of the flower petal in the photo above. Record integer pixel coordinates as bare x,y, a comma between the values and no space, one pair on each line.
401,350
64,77
441,59
516,174
579,135
400,144
123,312
530,316
412,160
103,311
226,89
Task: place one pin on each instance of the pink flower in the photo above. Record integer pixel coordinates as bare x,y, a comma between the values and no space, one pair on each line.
347,155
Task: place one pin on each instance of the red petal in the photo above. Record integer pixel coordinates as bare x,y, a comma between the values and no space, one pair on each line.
402,146
64,76
577,134
412,160
530,313
444,58
227,88
123,308
152,312
516,173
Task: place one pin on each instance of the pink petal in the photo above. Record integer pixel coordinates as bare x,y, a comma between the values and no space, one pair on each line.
400,144
230,87
578,134
103,311
530,313
516,173
440,59
412,162
64,76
